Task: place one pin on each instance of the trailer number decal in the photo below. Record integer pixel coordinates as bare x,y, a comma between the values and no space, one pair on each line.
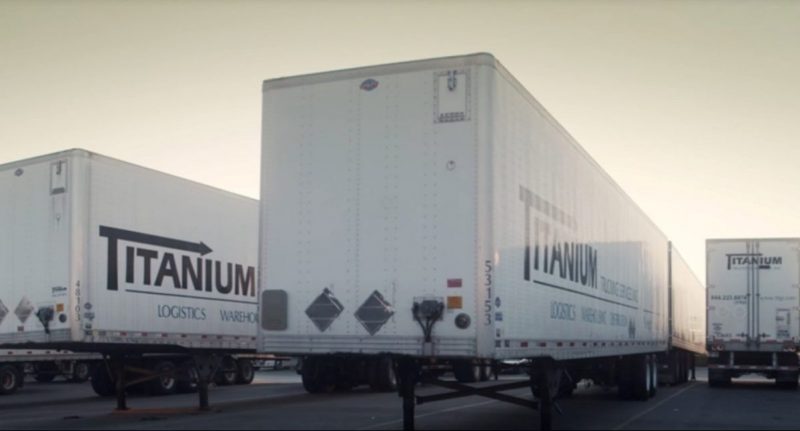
487,306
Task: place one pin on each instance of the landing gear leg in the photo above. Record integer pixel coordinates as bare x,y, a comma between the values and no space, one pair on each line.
543,376
207,365
118,365
408,375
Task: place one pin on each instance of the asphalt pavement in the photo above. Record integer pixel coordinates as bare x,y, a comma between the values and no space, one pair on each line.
276,400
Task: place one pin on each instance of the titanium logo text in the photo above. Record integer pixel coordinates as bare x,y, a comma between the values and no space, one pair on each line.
183,270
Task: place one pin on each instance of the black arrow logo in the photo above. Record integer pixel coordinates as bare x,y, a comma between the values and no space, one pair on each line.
114,234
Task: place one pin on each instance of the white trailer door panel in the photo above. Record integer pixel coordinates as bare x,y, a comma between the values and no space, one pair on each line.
753,291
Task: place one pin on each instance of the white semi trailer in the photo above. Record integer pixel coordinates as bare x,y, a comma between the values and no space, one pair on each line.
432,212
155,272
687,322
753,303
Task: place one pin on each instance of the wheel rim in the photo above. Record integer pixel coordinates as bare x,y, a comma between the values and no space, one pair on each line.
392,380
82,371
247,371
8,381
194,377
167,383
655,374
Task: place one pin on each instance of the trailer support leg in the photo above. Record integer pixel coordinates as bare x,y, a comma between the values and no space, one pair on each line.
202,390
693,365
543,375
407,374
118,365
206,365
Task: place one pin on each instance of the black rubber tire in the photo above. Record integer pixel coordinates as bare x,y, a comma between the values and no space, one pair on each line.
44,377
382,376
674,359
81,372
683,368
786,381
343,383
315,378
718,378
624,378
102,382
165,385
310,381
10,379
466,372
226,375
640,369
318,376
188,379
245,372
485,372
653,376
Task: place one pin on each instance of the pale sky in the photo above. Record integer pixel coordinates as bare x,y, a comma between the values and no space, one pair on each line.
693,107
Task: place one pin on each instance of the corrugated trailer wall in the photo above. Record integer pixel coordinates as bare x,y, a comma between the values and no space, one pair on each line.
580,270
688,306
35,235
753,293
369,188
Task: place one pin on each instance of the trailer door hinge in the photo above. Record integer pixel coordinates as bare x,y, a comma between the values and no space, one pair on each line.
58,177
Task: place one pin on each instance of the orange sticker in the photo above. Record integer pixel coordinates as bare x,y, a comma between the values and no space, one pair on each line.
59,308
455,302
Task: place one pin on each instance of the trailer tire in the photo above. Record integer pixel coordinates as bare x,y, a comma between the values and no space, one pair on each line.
310,382
625,378
653,376
188,379
718,378
45,372
684,367
81,371
786,380
316,377
44,377
674,367
245,372
382,376
10,379
466,372
102,382
226,375
164,385
641,377
485,372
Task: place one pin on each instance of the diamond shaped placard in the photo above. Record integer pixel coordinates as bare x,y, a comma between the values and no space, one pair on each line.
324,310
3,311
374,313
24,309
